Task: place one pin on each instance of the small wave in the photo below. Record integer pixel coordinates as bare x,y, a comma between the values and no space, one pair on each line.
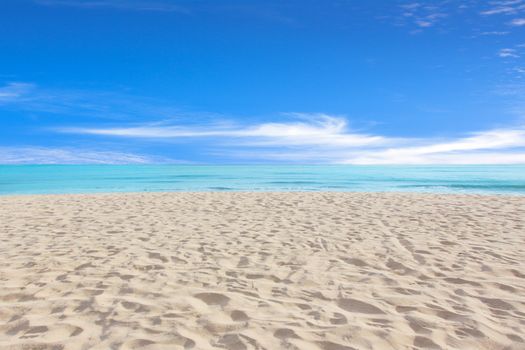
488,187
194,176
294,182
510,187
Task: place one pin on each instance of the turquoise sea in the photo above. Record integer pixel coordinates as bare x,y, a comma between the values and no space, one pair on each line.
40,179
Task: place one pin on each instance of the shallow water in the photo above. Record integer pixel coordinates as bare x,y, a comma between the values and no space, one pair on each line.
41,179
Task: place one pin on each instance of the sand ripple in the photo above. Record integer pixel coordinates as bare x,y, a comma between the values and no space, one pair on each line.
262,271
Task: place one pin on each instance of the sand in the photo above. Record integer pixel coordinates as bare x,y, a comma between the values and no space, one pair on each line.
327,271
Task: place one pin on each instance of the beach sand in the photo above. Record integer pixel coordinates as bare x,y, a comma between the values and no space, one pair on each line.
326,271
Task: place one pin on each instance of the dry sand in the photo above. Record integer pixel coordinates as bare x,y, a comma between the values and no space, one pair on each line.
262,271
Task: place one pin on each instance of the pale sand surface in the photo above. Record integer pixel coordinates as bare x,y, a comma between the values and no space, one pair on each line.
262,271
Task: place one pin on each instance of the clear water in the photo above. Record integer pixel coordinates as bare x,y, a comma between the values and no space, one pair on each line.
36,179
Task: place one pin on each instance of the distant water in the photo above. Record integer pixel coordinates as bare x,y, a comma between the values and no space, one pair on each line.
36,179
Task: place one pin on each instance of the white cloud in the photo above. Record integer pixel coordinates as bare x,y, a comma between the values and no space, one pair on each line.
135,5
518,22
498,33
114,105
321,138
422,15
44,155
14,91
505,53
504,7
471,158
426,14
476,149
498,11
315,129
424,24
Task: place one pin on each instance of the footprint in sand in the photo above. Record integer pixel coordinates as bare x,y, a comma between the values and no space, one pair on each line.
158,256
284,333
497,304
418,326
425,343
338,319
328,345
354,305
243,262
138,344
19,326
232,342
239,316
213,298
37,329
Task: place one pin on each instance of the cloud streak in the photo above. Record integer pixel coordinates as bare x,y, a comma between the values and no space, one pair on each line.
518,22
22,96
504,7
500,146
505,53
441,14
46,155
507,8
422,15
317,129
296,137
133,5
323,138
14,92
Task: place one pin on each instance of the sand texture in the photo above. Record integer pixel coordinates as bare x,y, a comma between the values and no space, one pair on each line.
324,271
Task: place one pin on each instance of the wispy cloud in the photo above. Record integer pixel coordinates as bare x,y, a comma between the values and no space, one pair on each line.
507,8
481,148
134,5
496,33
45,155
518,22
500,146
14,92
30,97
323,138
310,129
503,7
274,11
422,14
471,158
296,137
508,53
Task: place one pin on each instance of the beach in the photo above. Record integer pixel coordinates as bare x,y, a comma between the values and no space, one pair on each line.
236,270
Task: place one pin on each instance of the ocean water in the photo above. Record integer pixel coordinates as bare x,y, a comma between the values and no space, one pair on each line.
45,179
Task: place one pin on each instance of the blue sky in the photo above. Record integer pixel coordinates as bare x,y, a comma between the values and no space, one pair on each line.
357,82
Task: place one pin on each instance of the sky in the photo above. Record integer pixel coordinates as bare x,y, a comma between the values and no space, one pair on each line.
242,82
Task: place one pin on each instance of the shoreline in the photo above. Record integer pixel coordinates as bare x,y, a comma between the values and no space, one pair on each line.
241,192
262,270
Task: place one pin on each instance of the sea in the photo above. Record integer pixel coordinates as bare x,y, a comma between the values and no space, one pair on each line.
55,179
